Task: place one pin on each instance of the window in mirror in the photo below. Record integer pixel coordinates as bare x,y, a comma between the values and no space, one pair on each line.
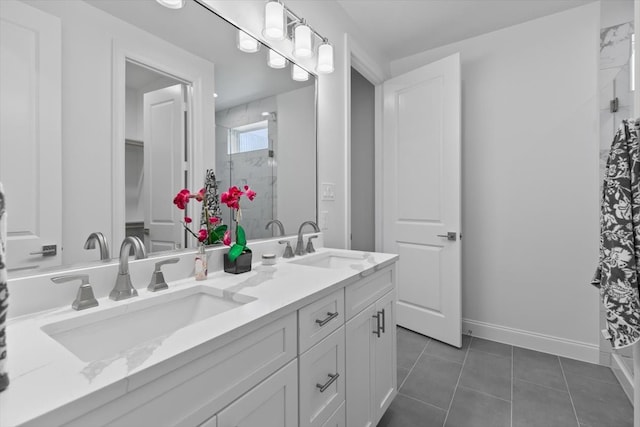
251,137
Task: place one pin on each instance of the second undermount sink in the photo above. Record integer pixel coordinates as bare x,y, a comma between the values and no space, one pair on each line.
113,331
332,260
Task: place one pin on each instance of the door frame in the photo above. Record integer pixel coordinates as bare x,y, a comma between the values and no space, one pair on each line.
195,72
356,57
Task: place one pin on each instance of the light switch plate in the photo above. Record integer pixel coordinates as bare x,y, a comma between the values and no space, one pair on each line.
328,191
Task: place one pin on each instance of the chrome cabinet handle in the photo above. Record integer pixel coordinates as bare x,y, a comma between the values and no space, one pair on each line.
377,331
330,381
326,320
47,250
383,320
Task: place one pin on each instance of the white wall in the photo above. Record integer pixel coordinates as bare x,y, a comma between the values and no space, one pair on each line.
530,180
295,177
329,19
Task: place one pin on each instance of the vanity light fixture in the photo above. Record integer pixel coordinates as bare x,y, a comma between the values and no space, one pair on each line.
302,41
276,60
294,28
298,74
246,43
172,4
325,58
274,21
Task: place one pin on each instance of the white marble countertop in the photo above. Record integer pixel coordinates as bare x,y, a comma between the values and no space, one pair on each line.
47,380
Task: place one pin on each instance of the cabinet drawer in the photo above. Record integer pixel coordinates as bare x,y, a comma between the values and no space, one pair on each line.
322,380
368,290
337,419
188,395
318,319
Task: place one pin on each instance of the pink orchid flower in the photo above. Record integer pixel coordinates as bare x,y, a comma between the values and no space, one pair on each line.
214,220
250,193
187,219
203,234
200,196
227,238
181,199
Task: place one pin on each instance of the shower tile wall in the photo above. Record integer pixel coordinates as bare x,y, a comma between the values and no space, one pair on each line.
615,54
254,168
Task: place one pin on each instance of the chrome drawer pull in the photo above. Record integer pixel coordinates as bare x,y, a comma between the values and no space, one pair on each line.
377,331
326,385
329,317
383,320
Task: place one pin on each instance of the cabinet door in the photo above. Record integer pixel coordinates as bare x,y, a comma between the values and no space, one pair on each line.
273,403
361,340
385,378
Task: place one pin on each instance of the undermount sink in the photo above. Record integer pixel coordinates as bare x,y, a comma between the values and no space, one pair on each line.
110,332
332,260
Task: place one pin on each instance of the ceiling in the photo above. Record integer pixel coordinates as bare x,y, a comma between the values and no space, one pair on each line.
405,27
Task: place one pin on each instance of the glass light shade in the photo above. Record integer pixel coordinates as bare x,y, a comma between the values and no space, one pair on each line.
172,4
276,60
298,74
274,27
246,43
302,41
325,59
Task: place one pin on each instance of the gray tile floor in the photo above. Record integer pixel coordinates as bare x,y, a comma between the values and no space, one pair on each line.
489,384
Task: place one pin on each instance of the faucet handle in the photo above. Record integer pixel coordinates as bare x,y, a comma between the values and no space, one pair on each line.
158,283
310,248
84,297
288,251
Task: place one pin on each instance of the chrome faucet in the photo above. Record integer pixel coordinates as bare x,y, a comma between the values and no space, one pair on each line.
99,238
123,288
278,223
300,244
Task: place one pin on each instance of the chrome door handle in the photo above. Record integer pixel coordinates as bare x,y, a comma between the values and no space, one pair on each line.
47,250
326,385
327,319
383,321
451,235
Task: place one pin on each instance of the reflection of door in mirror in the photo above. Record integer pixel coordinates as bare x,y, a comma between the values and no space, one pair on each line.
30,135
155,155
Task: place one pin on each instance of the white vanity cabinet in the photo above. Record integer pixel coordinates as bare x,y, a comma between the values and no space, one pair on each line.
371,349
329,363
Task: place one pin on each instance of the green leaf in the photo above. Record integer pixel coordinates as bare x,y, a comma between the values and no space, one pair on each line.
220,229
241,238
235,251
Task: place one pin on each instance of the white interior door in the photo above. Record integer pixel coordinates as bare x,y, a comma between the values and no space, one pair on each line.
164,166
421,194
30,134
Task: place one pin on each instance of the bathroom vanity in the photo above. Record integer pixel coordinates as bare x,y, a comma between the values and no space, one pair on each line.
309,341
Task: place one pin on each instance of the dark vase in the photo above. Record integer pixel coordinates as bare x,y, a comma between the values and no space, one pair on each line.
242,264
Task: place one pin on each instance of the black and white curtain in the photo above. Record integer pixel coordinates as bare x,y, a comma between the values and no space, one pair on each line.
619,263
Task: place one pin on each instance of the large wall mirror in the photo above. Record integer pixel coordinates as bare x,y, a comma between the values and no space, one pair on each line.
109,108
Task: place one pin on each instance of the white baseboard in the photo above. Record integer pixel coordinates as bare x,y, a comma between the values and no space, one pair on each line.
532,340
623,374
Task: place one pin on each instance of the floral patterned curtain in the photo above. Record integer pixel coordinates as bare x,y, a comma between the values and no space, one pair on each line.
619,264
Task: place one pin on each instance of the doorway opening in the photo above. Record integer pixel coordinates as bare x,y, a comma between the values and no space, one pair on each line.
156,117
362,161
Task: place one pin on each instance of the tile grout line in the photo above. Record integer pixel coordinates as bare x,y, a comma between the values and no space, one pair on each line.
406,377
455,389
512,385
569,391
